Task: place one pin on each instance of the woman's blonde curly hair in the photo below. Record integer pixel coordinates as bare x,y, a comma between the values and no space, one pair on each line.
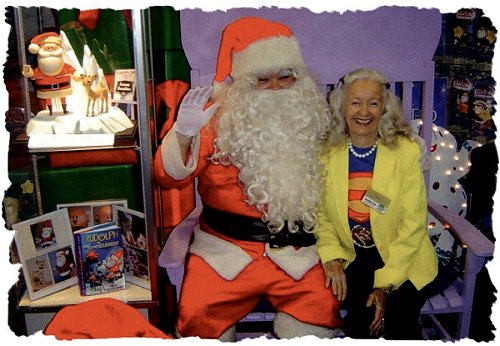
392,123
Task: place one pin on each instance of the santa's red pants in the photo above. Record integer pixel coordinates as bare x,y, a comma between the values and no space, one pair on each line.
209,304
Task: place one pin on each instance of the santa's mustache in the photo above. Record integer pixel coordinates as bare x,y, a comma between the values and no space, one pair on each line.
50,54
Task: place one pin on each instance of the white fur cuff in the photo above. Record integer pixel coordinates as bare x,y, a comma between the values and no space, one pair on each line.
227,259
295,262
173,163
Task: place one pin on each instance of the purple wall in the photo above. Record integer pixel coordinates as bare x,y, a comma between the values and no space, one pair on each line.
393,37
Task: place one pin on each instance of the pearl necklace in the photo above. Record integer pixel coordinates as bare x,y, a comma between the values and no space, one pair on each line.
362,156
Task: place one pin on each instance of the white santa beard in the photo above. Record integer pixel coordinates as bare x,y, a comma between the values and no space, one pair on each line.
61,260
51,65
272,137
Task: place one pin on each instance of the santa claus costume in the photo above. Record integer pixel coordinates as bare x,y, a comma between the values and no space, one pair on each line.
257,165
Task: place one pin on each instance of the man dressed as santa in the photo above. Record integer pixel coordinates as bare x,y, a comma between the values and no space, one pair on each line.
255,151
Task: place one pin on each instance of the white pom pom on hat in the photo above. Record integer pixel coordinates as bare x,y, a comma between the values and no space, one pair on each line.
39,40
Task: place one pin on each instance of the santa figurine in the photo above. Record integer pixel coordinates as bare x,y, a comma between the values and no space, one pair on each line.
47,237
52,77
64,264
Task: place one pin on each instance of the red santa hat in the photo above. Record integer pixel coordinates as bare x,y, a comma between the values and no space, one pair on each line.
253,45
47,225
43,38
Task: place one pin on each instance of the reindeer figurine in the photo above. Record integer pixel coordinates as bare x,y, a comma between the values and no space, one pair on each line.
100,93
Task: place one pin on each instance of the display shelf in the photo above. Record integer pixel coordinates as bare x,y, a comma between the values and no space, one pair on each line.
33,316
123,140
133,145
71,295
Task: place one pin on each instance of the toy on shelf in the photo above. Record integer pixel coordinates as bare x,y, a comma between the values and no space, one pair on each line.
52,77
99,93
74,97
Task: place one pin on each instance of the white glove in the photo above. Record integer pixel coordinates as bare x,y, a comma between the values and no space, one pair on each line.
192,117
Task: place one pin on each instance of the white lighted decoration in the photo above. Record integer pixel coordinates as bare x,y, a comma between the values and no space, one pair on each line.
447,166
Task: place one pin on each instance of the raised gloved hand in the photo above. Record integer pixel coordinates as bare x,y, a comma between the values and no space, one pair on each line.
192,117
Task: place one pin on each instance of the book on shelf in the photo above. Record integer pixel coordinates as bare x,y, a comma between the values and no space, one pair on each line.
46,252
133,226
100,258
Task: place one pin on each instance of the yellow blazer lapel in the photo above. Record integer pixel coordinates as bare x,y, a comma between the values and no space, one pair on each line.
382,173
340,178
383,170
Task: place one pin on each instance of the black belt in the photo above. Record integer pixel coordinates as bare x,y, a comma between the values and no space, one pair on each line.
53,86
251,229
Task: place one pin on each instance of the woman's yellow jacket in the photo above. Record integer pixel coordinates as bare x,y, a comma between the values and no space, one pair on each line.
400,234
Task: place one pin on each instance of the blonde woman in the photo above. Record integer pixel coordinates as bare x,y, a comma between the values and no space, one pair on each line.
372,218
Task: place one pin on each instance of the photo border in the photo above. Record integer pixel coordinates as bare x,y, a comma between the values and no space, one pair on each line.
28,252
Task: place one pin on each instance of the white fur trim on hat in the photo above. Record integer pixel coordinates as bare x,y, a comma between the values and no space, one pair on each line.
173,163
266,55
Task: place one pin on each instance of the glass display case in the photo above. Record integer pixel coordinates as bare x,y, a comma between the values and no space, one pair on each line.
82,169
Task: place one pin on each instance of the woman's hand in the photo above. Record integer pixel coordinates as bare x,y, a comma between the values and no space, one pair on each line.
378,298
334,275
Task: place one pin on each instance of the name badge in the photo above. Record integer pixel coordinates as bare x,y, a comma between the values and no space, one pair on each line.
376,201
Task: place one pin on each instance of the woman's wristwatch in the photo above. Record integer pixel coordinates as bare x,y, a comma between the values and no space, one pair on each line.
388,289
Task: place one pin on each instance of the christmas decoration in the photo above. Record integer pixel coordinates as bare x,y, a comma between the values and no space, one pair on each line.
447,166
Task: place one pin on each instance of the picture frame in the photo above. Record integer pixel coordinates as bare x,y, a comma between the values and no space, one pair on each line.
47,253
91,213
133,225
